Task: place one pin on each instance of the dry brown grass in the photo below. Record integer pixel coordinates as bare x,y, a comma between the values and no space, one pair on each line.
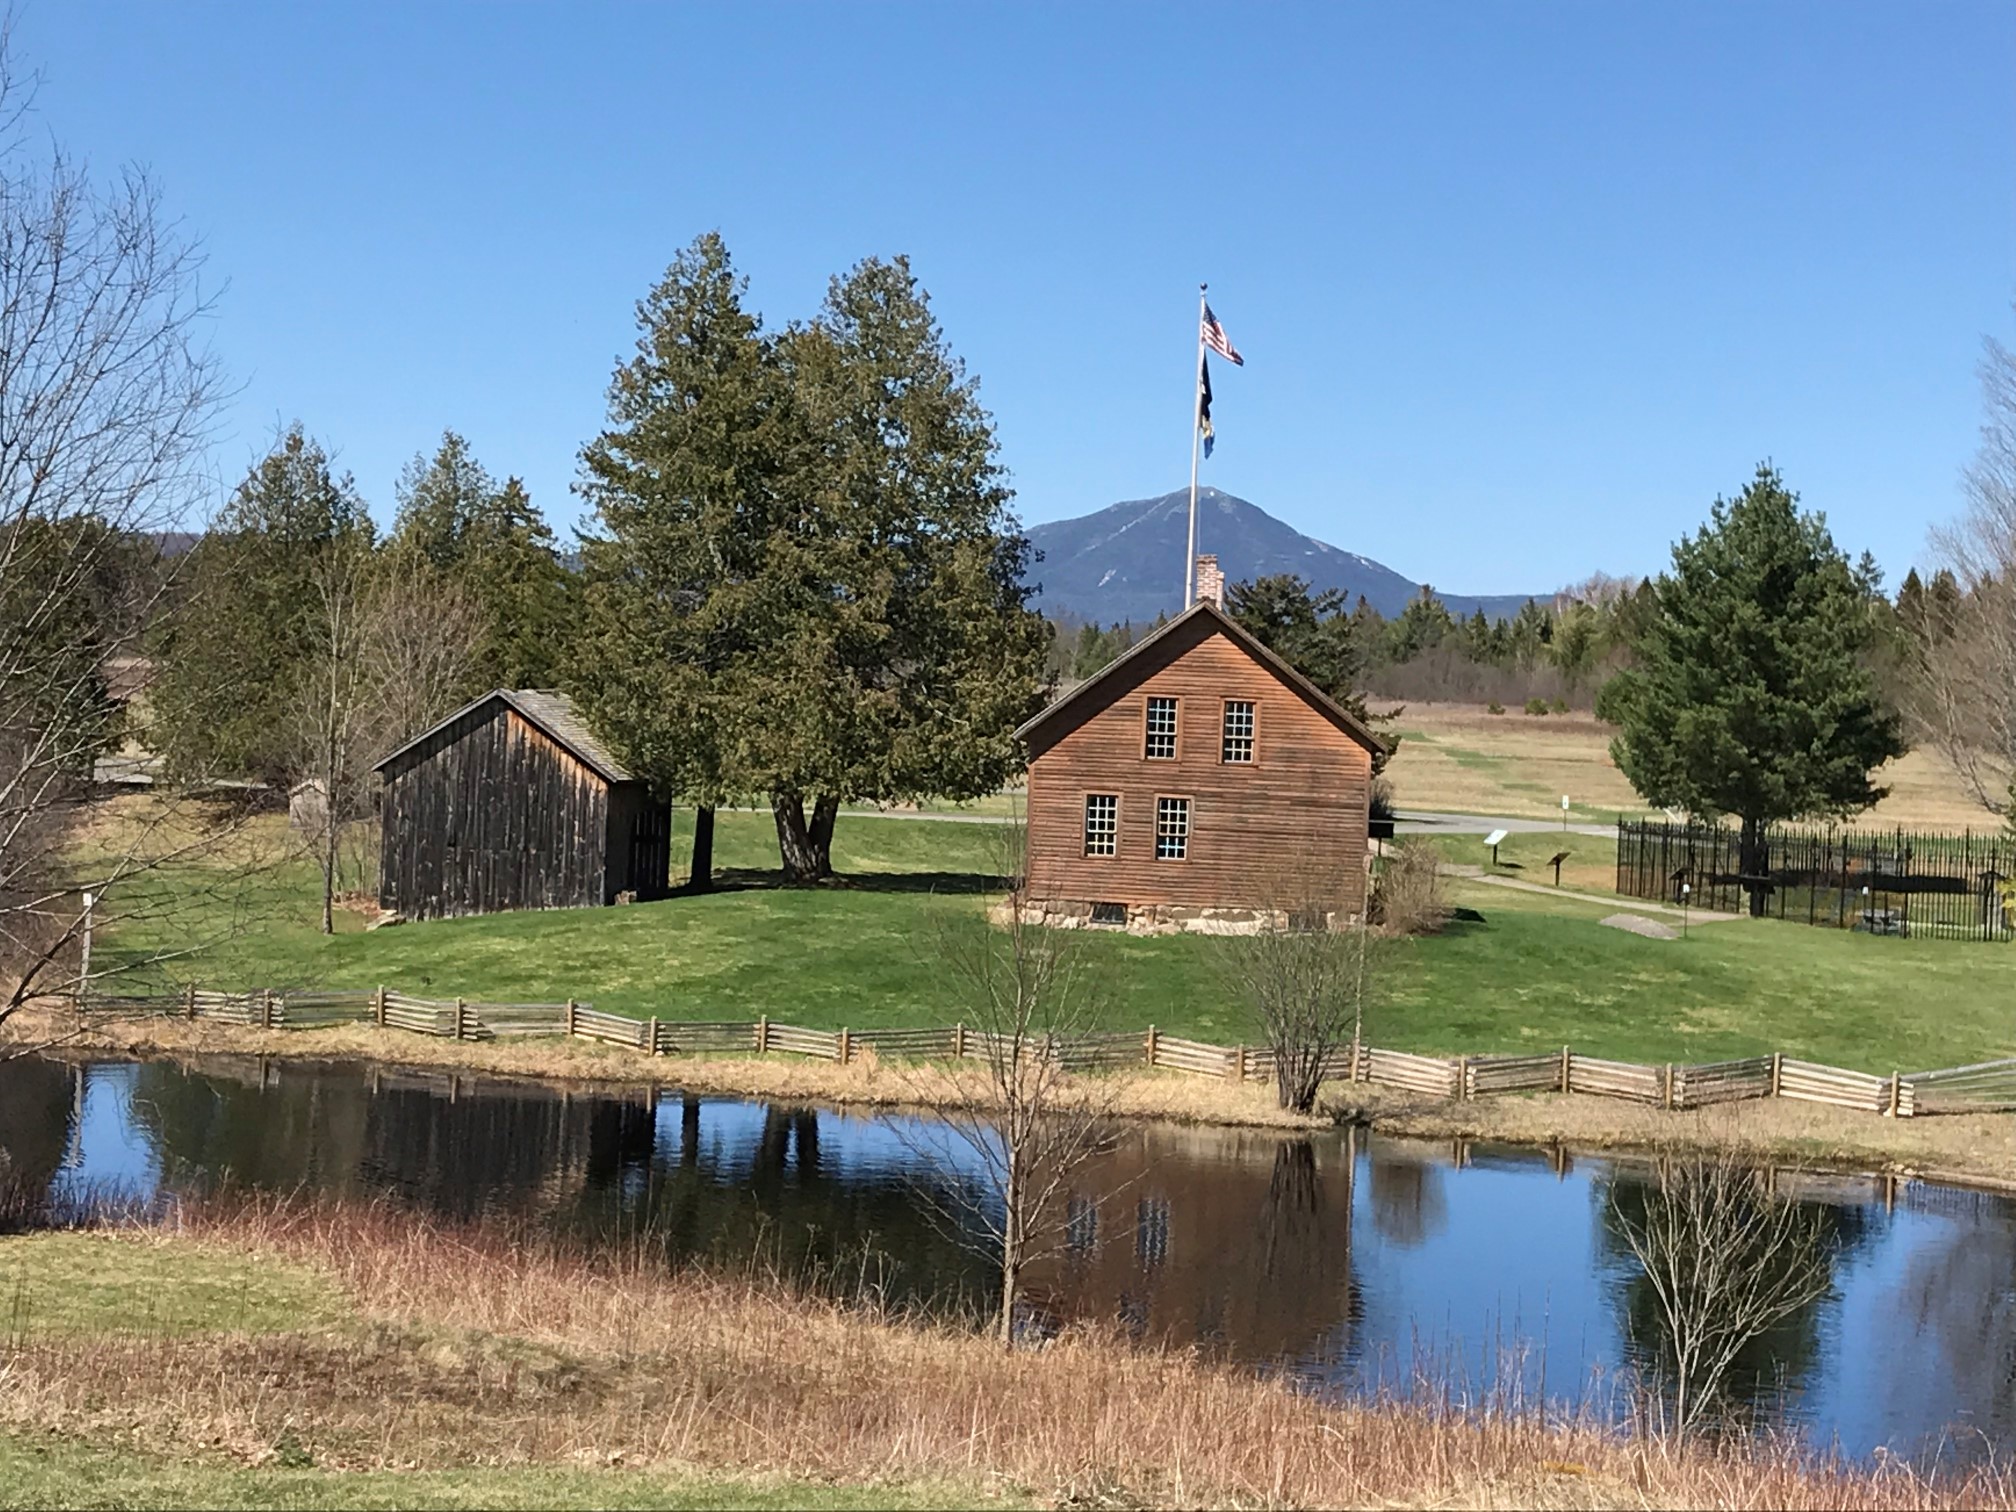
473,1350
1470,761
1978,1148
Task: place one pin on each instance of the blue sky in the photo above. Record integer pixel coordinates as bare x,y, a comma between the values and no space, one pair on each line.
1520,288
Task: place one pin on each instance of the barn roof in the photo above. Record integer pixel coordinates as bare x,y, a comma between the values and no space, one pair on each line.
1097,691
553,714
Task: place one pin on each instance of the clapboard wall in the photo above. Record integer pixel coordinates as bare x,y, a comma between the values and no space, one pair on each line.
490,813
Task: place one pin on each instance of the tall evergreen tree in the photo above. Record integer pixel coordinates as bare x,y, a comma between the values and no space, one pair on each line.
1752,695
687,486
1311,632
231,677
490,541
902,653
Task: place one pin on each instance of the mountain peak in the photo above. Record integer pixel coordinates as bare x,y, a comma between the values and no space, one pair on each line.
1125,562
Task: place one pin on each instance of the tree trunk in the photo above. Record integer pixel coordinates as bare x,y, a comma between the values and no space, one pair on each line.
1012,1244
806,849
701,877
1750,860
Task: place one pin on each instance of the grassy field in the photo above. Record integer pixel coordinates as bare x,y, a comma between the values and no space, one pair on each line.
1460,758
1538,971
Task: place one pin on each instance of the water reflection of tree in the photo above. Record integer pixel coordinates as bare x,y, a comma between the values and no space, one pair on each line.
1962,1293
1409,1205
36,1103
1721,1283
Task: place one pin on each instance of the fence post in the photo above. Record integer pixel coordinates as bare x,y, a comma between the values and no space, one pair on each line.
1361,1067
762,1034
458,1017
1151,1045
1777,1070
958,1042
1462,1078
571,1007
378,1007
1896,1092
189,1000
652,1049
846,1047
266,1008
1669,1087
1564,1068
1239,1064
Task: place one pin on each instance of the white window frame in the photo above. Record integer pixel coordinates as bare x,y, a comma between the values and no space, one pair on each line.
1251,737
1164,812
1150,734
1111,833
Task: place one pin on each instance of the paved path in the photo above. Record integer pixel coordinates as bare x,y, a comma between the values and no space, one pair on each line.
1607,900
1416,822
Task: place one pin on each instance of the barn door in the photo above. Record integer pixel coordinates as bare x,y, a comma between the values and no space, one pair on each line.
651,850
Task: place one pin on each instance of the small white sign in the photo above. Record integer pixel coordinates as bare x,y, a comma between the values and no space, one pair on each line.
1564,803
1496,838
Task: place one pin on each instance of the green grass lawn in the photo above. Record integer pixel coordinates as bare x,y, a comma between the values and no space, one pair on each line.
1538,973
49,1471
1591,864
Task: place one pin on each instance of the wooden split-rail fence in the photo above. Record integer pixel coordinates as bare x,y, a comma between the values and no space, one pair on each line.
1989,1086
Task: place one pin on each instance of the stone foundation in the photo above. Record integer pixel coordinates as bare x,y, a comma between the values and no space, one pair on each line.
1159,918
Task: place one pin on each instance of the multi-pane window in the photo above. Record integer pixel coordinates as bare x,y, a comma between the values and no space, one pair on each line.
1162,729
1172,829
1238,742
1102,824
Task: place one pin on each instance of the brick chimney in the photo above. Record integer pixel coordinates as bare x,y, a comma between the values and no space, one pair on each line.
1210,582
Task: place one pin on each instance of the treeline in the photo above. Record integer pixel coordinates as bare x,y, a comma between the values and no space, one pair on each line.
1559,651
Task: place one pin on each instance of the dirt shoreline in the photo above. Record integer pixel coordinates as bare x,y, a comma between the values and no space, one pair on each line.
1973,1149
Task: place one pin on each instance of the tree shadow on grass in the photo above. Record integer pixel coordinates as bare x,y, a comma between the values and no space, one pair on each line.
738,880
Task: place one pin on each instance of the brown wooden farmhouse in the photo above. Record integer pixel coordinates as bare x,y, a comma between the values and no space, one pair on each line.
510,802
1192,783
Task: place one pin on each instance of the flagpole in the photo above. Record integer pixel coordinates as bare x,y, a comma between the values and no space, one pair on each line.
1196,436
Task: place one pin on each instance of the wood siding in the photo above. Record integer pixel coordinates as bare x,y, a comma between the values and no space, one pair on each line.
489,814
1302,802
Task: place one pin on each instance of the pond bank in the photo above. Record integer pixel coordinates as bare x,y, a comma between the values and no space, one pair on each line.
1977,1149
274,1334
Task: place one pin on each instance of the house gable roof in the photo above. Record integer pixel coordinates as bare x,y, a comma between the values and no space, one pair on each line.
1111,681
552,714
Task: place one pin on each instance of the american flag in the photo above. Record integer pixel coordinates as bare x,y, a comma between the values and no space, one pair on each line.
1216,339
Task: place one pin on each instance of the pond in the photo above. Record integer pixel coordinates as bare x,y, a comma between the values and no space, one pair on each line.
1355,1264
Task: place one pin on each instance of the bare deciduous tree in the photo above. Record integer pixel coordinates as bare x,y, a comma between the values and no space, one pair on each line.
1726,1260
1028,1124
394,647
1961,691
1308,969
106,400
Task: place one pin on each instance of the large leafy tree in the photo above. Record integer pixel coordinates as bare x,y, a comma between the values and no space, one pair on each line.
488,540
232,676
803,580
1752,695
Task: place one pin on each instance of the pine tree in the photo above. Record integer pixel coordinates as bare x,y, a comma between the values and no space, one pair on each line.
490,541
1311,632
1752,696
901,653
231,676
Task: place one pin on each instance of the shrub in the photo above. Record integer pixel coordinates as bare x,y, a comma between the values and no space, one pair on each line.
1560,706
1536,706
1495,707
1407,894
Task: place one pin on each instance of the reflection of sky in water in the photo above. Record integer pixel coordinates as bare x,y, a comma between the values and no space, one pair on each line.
1482,1275
107,1151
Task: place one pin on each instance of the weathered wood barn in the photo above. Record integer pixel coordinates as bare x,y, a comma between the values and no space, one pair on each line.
1193,782
512,803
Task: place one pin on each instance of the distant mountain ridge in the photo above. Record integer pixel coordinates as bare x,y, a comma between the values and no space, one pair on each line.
1124,562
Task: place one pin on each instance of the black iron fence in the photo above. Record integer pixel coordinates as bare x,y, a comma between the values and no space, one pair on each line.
1884,881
